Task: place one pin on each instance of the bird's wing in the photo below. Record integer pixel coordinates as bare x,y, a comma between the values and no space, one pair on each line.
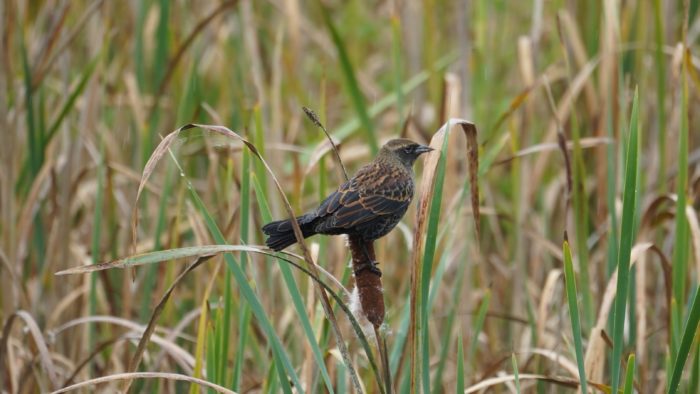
369,194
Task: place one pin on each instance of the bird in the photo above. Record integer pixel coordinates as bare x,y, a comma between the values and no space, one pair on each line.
368,206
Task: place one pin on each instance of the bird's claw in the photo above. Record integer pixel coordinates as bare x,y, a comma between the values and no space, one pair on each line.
371,266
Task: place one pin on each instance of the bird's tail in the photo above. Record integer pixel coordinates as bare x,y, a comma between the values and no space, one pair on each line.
281,234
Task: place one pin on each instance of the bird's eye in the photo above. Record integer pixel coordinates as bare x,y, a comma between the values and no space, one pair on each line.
408,150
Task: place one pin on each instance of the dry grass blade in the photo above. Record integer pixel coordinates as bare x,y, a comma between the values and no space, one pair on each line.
202,326
424,199
314,118
564,109
561,141
485,384
151,257
384,353
586,143
144,375
546,299
184,359
319,152
694,232
654,210
569,35
556,358
197,252
473,157
94,353
44,355
20,285
141,348
164,147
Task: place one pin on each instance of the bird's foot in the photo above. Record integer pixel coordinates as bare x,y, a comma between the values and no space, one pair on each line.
370,266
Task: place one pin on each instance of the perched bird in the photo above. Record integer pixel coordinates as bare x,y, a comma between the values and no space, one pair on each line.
368,206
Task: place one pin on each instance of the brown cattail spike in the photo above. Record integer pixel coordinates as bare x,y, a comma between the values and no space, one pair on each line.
368,282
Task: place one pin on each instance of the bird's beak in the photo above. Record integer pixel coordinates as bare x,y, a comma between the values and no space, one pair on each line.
423,149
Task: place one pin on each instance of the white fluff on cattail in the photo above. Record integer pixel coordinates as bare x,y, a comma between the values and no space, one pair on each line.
356,309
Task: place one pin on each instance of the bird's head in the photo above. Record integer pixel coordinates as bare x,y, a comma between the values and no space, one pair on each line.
404,151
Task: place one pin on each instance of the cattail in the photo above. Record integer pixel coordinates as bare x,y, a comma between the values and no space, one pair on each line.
369,284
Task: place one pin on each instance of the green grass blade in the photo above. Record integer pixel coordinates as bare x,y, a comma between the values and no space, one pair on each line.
446,337
479,324
244,312
162,42
400,337
571,296
629,376
675,329
514,363
358,99
694,384
35,157
225,337
626,240
689,334
611,191
96,238
213,350
427,266
139,61
149,281
243,334
681,245
283,380
460,364
660,62
341,376
580,206
201,341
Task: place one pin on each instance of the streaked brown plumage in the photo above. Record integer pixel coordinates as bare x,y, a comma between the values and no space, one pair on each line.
369,205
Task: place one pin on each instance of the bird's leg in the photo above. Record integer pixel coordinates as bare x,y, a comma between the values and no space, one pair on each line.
369,263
